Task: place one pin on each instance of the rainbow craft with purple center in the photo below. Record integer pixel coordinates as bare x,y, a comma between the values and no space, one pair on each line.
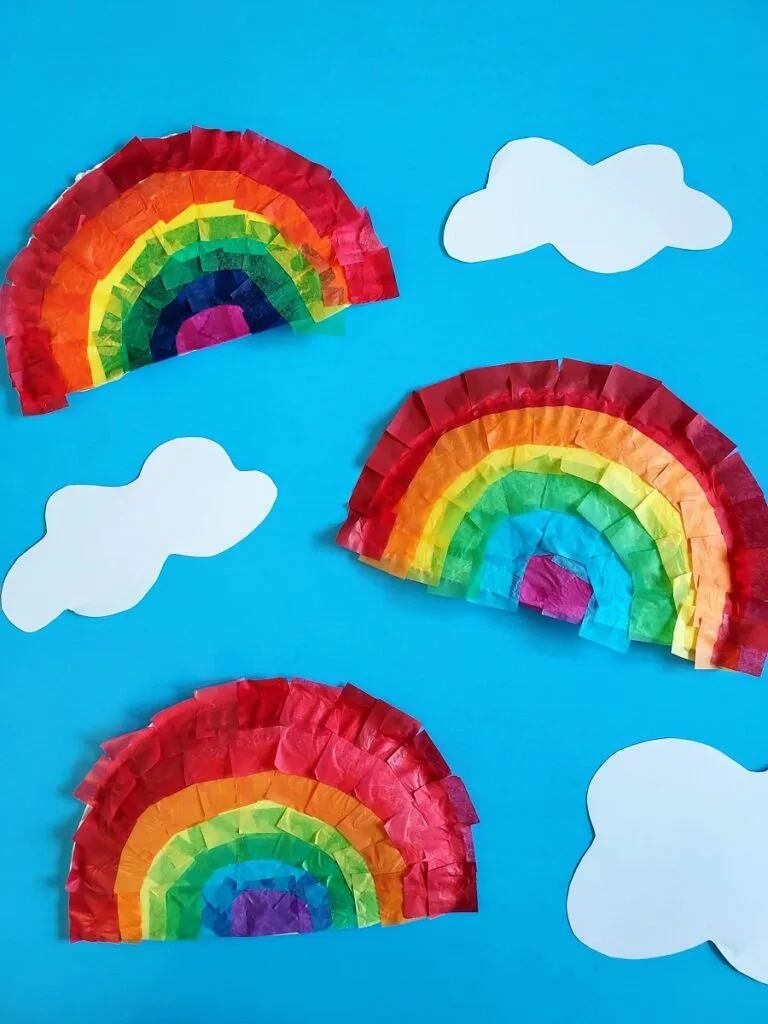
589,492
175,244
264,807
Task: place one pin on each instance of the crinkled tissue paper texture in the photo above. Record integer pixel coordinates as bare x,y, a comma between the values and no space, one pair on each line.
678,858
266,807
605,217
587,491
175,244
104,547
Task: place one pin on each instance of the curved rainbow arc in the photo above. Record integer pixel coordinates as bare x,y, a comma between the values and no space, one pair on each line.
595,449
265,807
269,238
222,892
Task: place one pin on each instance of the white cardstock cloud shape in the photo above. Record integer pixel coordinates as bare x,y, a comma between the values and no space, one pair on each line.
104,547
606,217
680,856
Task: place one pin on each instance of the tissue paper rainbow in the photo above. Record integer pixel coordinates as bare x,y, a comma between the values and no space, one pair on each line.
266,807
177,243
590,492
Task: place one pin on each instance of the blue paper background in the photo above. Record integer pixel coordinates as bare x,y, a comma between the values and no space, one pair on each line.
406,101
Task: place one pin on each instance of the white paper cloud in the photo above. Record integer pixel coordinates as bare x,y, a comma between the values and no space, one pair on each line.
104,547
606,217
680,856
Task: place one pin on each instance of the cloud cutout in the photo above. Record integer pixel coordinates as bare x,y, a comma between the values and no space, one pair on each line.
104,547
680,856
606,217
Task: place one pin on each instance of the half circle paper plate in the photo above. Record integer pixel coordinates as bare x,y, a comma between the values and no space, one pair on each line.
175,244
269,806
588,492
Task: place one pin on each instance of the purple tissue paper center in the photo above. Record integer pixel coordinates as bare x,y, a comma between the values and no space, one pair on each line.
553,590
209,327
269,912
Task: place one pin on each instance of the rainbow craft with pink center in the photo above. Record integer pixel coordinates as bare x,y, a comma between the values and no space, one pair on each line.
265,807
177,243
588,492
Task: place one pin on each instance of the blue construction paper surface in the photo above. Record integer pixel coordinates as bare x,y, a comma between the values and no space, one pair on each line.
406,101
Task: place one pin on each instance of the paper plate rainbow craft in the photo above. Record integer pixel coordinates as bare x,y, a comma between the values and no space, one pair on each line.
177,243
589,492
264,807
